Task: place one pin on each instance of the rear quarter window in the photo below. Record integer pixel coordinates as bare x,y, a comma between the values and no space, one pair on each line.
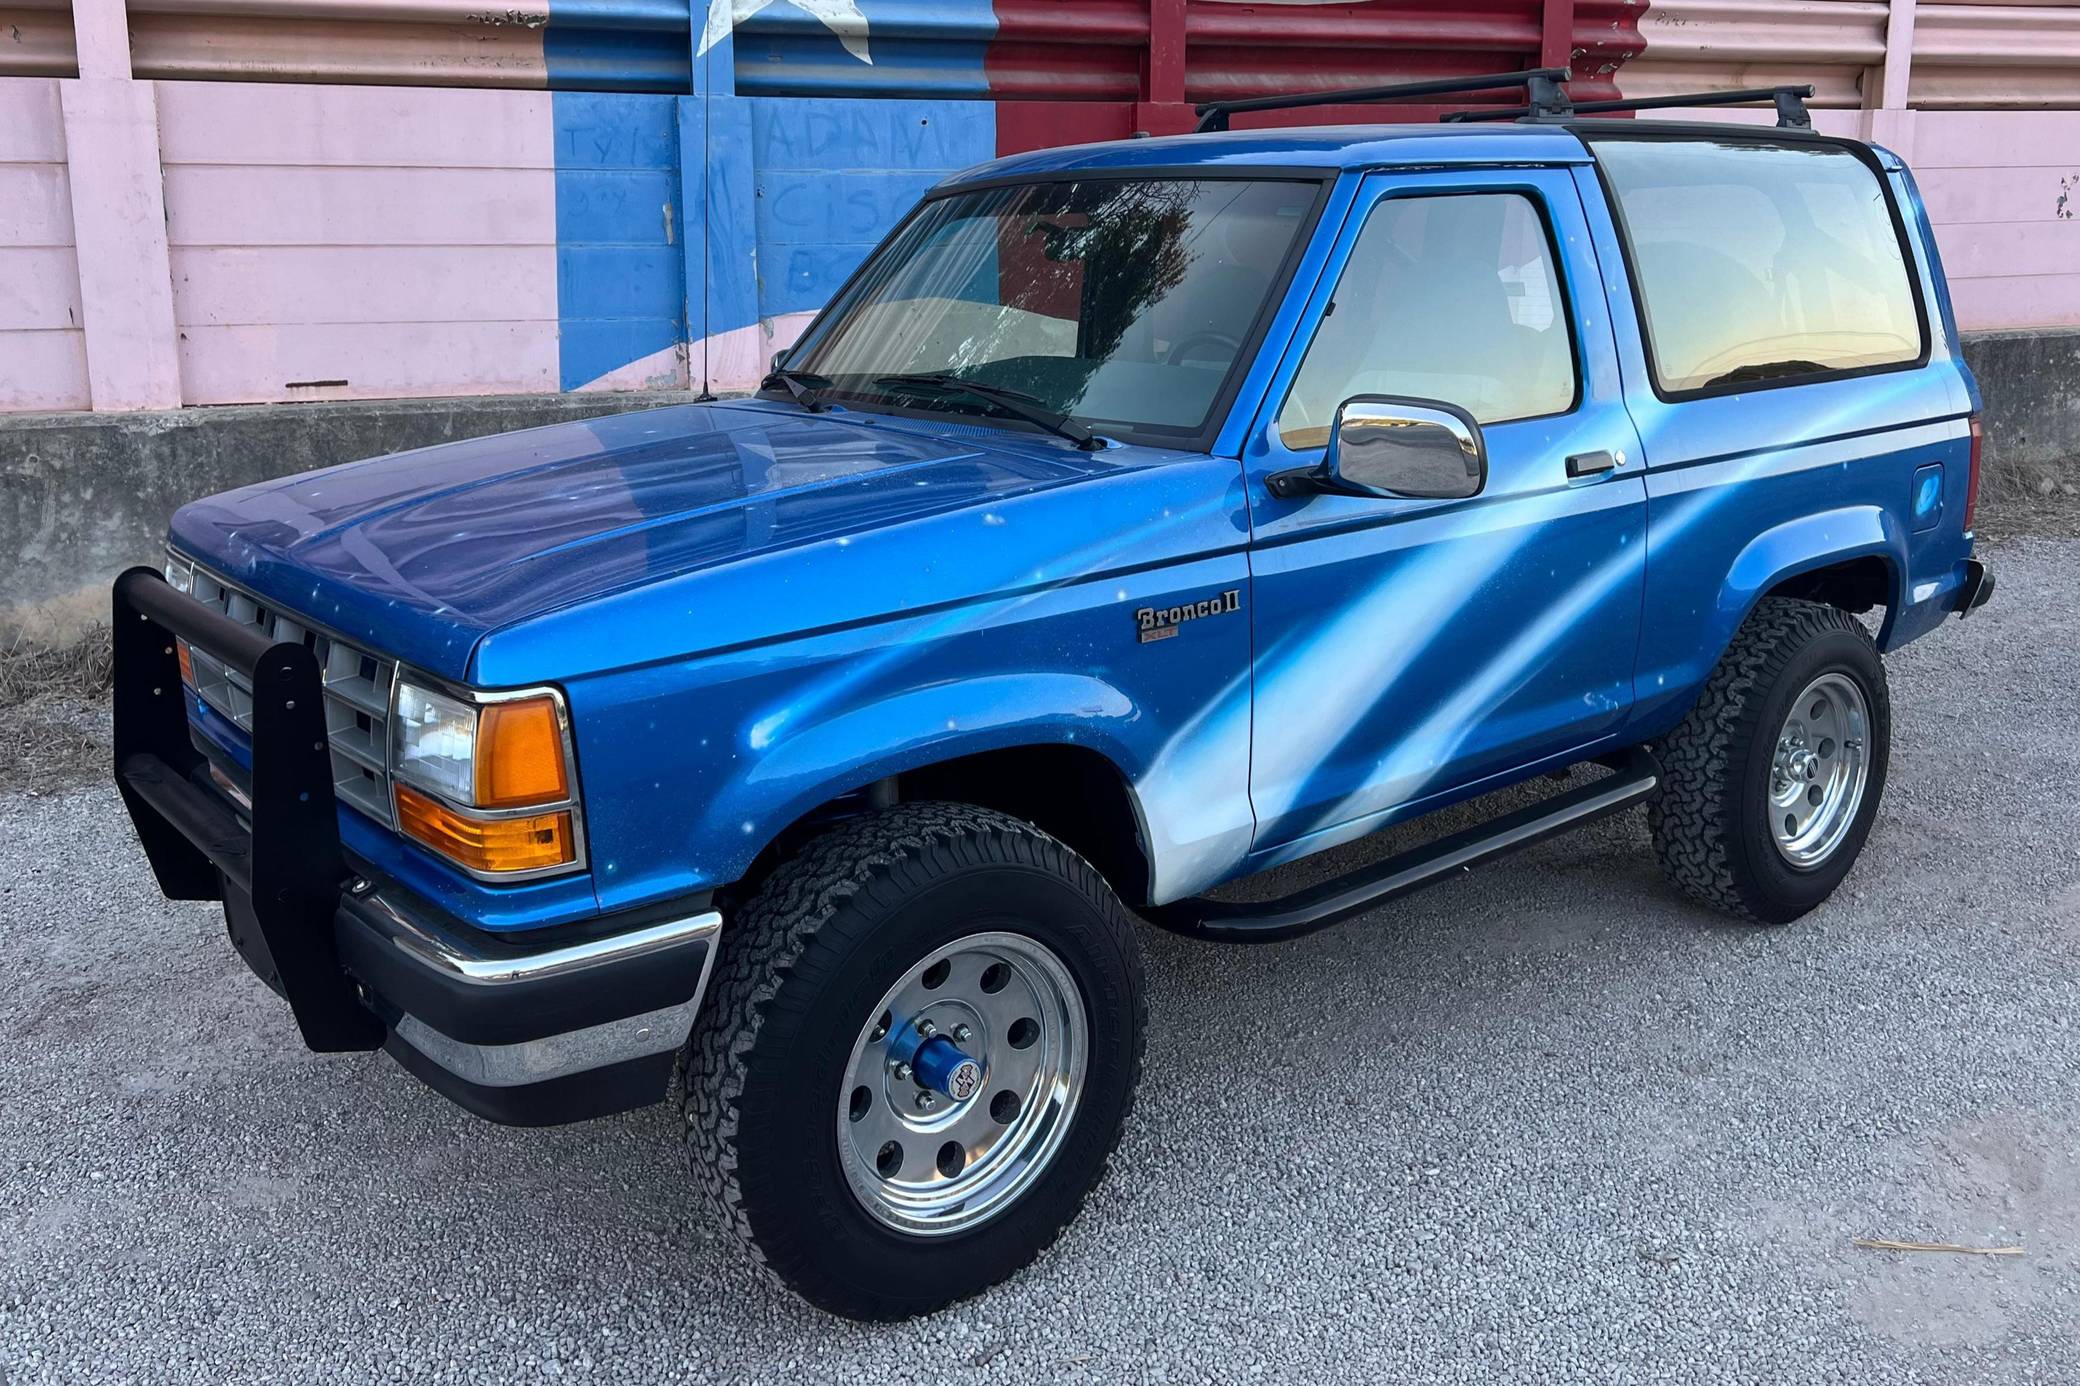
1755,262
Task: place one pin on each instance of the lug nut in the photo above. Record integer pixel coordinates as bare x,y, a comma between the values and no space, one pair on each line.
927,1100
927,1029
902,1072
963,1033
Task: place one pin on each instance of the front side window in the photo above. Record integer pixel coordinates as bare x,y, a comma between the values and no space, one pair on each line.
1756,262
1449,298
1122,301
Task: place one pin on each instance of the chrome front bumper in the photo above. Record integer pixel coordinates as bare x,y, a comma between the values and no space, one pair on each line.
531,1034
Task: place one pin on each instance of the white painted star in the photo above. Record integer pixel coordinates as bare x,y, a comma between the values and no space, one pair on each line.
842,17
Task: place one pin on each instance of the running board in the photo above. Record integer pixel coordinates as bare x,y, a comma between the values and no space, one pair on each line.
1637,778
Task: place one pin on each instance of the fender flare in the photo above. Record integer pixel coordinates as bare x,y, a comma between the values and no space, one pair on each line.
1807,544
810,764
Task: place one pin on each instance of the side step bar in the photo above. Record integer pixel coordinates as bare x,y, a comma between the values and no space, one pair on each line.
1638,778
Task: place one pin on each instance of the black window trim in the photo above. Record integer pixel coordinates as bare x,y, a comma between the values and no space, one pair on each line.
1593,133
1197,439
1563,284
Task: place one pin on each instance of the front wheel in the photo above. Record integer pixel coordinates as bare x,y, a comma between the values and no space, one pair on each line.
919,1048
1772,781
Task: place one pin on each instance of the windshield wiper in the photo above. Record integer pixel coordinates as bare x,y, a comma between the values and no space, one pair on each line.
1764,370
803,385
1014,402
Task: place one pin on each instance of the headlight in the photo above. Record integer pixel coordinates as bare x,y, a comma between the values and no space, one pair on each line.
180,576
437,742
481,765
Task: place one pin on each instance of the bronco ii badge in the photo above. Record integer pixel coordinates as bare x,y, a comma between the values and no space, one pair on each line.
1161,622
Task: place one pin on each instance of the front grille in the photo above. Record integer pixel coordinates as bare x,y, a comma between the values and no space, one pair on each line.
357,688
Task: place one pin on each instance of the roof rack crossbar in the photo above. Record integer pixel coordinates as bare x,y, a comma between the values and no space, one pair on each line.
1790,103
1542,90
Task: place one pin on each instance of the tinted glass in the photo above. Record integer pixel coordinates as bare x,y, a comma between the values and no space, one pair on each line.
1445,298
1757,262
1128,301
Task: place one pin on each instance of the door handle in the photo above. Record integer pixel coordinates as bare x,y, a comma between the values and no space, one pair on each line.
1592,463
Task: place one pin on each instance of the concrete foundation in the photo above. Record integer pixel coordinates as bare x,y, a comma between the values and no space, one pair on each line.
82,496
2030,385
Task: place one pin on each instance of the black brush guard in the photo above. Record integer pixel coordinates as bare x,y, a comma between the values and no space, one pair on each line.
280,881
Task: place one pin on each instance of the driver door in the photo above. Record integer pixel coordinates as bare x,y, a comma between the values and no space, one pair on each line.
1408,652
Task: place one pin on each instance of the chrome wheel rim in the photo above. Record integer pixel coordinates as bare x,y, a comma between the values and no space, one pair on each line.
1819,771
929,1161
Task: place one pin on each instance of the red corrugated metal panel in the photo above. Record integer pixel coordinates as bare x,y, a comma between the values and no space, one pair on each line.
1092,50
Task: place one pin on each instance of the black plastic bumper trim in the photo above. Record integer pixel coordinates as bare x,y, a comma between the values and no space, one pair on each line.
1976,589
596,1092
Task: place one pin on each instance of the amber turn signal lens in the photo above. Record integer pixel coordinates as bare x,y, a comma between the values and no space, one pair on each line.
180,649
487,844
520,755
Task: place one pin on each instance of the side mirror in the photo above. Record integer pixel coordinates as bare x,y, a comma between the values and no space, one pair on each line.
1383,445
780,358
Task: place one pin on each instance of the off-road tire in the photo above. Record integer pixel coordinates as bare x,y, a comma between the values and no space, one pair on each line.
802,964
1710,822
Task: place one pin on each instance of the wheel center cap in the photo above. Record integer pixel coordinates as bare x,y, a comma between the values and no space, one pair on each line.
1804,765
941,1066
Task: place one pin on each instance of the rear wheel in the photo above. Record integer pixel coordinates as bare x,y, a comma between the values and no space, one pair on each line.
1773,779
920,1046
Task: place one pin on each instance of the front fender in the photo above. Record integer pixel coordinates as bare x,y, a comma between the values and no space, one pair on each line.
802,765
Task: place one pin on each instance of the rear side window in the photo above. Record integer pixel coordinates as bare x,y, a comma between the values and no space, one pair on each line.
1758,262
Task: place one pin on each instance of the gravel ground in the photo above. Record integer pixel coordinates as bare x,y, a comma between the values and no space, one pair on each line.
1544,1123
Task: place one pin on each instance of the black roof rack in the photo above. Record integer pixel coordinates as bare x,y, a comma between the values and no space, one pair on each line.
1542,90
1790,102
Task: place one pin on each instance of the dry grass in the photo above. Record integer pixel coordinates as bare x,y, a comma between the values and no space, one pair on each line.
56,707
2039,500
81,669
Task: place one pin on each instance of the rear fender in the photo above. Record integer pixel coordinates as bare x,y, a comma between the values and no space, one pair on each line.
1804,545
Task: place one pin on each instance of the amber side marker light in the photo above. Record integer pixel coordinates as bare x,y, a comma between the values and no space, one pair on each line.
180,650
527,843
520,755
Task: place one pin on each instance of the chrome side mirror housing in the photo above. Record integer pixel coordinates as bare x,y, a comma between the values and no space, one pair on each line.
1391,447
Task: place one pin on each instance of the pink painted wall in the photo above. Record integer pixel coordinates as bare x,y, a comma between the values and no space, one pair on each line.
43,356
2003,193
402,240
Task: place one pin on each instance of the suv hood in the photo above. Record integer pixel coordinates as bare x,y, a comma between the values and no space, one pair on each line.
423,554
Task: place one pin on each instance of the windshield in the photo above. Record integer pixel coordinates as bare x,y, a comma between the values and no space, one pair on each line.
1113,301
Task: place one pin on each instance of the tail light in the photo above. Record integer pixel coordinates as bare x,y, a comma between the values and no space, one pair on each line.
1971,476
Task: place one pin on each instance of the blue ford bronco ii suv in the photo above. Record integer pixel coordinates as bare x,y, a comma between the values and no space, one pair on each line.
1140,516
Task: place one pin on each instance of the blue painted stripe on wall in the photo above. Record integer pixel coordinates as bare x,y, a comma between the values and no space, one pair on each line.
620,287
786,196
924,48
810,65
616,60
834,175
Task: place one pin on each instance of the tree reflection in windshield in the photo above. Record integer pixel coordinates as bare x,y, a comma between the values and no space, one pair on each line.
1114,301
